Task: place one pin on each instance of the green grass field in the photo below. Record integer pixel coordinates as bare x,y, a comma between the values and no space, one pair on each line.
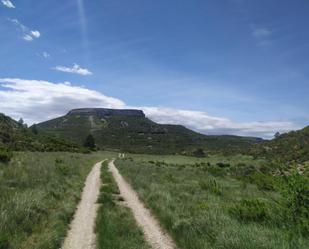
116,227
202,203
178,159
39,194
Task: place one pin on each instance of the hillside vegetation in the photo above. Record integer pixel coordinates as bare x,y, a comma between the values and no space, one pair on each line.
17,137
289,147
136,133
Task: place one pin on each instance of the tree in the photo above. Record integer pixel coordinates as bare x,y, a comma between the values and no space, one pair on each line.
89,142
277,134
21,121
34,129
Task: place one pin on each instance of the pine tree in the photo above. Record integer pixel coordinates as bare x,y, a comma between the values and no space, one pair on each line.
34,129
89,142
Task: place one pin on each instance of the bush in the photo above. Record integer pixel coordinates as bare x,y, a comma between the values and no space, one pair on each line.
250,210
216,171
263,181
63,169
5,155
211,185
295,203
199,153
223,165
4,242
242,170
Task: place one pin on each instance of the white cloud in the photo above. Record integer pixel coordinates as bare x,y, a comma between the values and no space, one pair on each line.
46,55
28,35
204,123
28,38
37,101
8,3
35,33
261,32
75,69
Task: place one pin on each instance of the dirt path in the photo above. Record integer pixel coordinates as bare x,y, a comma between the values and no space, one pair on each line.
156,237
81,234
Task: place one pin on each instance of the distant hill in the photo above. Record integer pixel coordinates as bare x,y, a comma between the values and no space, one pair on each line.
132,131
288,147
15,136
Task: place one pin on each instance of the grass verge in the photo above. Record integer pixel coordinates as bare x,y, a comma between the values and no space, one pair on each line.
39,194
202,209
116,227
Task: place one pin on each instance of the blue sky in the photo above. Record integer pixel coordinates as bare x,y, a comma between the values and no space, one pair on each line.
243,61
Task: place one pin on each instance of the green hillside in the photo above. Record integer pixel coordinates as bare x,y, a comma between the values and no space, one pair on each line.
131,131
292,146
15,136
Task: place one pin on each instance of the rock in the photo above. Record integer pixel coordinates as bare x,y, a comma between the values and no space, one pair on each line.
104,112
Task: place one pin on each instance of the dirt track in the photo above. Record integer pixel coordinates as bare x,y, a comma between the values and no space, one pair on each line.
154,234
81,234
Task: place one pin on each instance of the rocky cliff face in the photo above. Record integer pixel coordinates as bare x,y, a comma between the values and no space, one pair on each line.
104,112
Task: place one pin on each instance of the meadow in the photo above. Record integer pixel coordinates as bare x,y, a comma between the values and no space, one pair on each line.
39,194
222,202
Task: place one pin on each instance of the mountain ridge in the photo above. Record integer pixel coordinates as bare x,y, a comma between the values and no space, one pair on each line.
131,131
106,112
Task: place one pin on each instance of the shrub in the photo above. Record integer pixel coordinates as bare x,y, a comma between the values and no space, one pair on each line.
295,203
216,171
211,185
5,155
63,169
263,181
248,210
242,170
4,242
199,153
223,165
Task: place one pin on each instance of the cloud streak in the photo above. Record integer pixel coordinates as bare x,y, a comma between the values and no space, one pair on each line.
28,34
262,35
76,69
37,101
46,55
8,4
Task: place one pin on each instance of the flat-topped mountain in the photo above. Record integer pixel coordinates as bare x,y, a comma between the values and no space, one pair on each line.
104,112
131,131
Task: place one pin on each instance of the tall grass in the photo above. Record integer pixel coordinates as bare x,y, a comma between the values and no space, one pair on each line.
38,196
202,209
116,227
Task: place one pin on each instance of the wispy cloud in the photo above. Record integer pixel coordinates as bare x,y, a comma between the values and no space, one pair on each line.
76,69
262,35
28,34
46,55
28,37
38,101
8,3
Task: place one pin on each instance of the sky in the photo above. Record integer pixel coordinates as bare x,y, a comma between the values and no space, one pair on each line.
236,67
